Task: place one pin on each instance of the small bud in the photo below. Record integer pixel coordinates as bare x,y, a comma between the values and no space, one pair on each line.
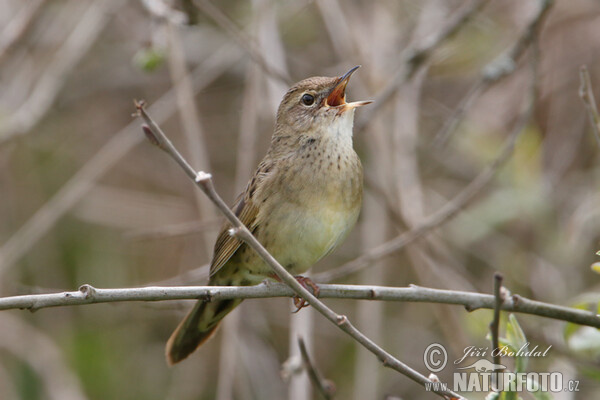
202,176
150,135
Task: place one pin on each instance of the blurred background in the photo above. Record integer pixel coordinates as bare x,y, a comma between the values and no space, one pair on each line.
85,199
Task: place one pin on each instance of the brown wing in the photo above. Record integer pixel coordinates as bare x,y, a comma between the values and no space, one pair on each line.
246,211
227,245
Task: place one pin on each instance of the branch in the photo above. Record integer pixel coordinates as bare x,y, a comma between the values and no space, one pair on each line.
448,211
587,96
324,386
77,44
110,153
494,72
495,324
204,181
19,26
472,301
222,20
415,56
453,207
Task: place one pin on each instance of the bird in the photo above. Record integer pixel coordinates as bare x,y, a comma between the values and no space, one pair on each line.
301,202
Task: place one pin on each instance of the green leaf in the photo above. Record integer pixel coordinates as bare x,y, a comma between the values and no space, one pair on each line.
570,327
149,59
514,332
492,396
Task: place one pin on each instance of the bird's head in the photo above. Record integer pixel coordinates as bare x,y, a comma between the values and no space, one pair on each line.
317,106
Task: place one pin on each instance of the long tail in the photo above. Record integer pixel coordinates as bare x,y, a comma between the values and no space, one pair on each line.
197,327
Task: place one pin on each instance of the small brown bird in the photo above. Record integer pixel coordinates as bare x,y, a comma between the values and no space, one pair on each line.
300,204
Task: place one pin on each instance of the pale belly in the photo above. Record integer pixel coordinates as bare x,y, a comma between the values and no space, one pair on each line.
304,237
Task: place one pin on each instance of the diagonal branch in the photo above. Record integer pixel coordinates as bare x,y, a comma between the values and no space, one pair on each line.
325,387
204,182
415,56
587,96
492,73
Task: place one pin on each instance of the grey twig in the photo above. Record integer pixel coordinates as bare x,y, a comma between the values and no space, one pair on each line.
494,72
324,386
415,56
204,182
451,208
75,46
587,96
495,324
470,300
17,28
114,149
247,44
171,230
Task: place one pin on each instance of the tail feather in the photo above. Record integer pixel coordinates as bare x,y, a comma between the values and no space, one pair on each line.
196,328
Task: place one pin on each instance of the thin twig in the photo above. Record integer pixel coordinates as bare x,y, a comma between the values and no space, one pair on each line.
492,73
109,154
495,324
18,26
415,56
587,96
324,386
470,300
190,117
449,210
204,182
75,46
172,230
241,38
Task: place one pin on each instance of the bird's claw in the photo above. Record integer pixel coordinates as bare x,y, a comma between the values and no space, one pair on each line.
306,282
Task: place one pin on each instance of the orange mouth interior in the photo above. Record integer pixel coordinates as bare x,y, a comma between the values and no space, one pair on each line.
337,97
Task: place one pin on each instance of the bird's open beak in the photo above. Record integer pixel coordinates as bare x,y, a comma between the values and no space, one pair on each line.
337,96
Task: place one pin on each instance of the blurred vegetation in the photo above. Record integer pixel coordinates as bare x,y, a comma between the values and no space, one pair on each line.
69,71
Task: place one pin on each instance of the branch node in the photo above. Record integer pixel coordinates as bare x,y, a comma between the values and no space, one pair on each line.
139,106
516,298
88,291
202,176
150,135
341,320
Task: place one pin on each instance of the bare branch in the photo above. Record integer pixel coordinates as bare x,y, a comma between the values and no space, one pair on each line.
449,210
16,29
495,324
241,38
76,45
587,96
413,57
204,181
325,387
470,300
494,72
176,229
109,154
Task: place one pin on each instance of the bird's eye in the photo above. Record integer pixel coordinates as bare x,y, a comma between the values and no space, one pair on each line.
308,99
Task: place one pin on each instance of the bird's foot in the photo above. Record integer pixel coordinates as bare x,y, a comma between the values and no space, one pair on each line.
306,282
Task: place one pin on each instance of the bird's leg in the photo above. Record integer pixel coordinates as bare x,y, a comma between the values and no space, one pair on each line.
306,283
